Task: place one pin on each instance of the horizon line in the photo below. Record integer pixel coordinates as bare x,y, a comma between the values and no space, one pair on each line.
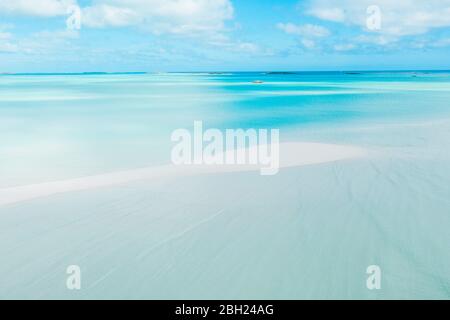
222,72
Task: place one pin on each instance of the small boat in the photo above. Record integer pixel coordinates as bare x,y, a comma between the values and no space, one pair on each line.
258,82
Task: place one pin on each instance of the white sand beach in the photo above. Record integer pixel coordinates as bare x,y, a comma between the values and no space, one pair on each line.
291,155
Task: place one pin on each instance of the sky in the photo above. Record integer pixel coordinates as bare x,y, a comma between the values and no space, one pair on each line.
223,35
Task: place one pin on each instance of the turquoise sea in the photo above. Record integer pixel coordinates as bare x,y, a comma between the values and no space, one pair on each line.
308,232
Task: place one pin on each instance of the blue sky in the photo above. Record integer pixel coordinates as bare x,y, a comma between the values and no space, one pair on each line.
222,35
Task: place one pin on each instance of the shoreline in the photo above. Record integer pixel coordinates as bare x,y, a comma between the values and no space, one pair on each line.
295,154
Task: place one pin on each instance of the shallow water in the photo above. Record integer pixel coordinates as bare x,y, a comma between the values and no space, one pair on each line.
309,232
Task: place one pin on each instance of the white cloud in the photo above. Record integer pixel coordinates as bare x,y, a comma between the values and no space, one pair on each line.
379,40
40,8
104,15
330,14
441,43
248,46
57,35
399,17
42,42
187,17
307,30
308,33
308,44
161,16
344,47
224,42
5,36
6,47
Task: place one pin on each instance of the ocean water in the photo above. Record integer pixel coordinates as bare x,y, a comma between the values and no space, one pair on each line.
308,232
